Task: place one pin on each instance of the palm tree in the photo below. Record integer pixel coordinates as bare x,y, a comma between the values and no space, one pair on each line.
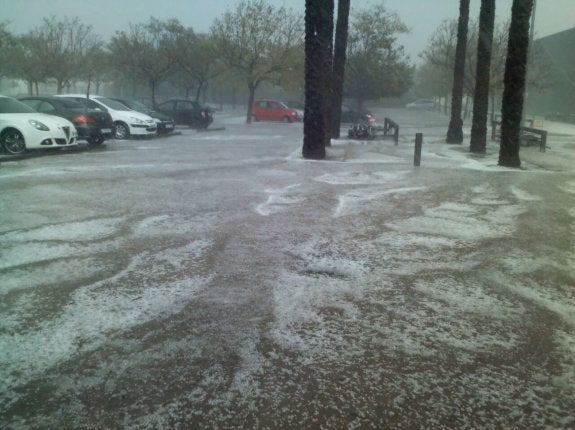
327,36
339,65
455,130
317,47
481,96
514,83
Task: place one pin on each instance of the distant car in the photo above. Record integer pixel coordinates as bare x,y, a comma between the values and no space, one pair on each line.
92,125
273,110
186,112
22,128
422,104
351,115
127,122
164,122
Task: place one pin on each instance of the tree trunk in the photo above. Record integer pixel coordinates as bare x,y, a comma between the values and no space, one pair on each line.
339,65
314,119
455,130
481,100
153,88
252,86
326,28
514,83
201,87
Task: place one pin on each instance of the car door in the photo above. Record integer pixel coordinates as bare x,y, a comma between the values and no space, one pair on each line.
259,109
274,111
184,111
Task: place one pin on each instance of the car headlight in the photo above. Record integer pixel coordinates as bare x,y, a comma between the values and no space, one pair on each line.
137,120
38,125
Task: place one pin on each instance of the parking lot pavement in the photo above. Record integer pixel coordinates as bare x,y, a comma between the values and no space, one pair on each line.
219,280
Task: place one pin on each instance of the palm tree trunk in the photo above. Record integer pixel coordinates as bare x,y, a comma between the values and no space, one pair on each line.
455,130
327,36
481,100
339,65
514,83
314,124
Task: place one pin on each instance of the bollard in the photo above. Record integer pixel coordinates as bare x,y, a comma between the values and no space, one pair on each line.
543,143
417,154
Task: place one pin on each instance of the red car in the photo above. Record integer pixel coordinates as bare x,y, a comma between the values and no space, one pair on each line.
272,110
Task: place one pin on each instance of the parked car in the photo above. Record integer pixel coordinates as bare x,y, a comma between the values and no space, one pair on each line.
298,106
273,110
422,104
22,128
93,126
354,116
186,112
127,122
164,122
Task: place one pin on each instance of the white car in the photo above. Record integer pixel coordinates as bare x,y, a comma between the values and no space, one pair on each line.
127,122
422,104
22,128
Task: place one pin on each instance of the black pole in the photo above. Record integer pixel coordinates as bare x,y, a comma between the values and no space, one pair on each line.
417,154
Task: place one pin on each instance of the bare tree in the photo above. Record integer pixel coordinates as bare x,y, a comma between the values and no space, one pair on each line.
514,83
27,60
481,96
196,65
339,58
147,52
439,56
6,41
257,42
455,130
376,64
66,47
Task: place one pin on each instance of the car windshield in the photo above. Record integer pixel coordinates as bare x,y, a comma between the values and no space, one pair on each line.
10,105
112,104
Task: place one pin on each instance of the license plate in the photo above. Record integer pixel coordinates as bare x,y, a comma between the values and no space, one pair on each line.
106,130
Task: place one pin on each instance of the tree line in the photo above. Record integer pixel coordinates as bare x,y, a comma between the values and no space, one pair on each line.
248,45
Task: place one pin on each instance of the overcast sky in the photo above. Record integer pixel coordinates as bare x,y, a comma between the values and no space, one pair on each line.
108,16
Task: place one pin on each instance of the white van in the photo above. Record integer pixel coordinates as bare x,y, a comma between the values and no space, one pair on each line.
127,122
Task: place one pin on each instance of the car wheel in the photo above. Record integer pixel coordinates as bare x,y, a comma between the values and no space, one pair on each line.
13,142
95,140
286,119
121,130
